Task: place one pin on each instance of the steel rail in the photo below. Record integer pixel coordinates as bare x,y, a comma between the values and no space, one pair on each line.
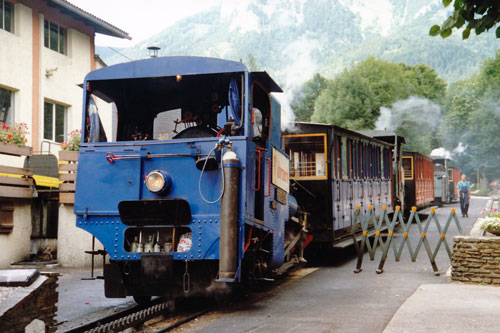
183,321
129,318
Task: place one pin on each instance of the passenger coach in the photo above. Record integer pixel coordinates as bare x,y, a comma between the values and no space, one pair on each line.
333,170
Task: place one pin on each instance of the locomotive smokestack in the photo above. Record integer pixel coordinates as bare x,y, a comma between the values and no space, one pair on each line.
228,255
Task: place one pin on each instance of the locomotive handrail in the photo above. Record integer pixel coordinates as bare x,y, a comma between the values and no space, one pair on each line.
259,151
269,180
111,157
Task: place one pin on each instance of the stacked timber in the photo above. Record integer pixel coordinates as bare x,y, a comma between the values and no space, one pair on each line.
15,183
68,163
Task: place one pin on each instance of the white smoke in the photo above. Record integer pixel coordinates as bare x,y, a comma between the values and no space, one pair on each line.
460,149
441,152
300,67
417,110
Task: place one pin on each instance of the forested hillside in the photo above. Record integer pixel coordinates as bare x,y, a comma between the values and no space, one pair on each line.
294,39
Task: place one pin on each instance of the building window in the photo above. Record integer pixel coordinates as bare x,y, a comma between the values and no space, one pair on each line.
54,37
6,15
54,122
6,106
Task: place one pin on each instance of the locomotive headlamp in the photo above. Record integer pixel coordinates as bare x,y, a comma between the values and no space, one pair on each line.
158,181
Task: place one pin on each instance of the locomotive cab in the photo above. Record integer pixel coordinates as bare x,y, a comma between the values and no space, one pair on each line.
183,192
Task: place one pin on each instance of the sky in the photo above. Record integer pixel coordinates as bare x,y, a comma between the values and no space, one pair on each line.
140,19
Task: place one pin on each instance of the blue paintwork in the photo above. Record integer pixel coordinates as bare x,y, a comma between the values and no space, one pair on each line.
102,185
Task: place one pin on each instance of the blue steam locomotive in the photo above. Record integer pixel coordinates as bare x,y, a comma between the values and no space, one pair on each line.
190,191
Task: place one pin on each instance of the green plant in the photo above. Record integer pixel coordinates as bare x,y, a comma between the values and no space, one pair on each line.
490,223
14,133
73,143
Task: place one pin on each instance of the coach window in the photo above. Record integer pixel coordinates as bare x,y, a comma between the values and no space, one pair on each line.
407,162
307,155
344,157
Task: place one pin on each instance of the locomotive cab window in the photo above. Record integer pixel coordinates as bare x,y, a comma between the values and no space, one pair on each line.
261,112
173,107
307,155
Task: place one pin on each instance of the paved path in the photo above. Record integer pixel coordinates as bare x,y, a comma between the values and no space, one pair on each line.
333,298
329,298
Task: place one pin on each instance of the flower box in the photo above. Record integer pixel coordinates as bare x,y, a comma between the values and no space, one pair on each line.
15,150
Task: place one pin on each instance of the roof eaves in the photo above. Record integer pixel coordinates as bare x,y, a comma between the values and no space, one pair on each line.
107,28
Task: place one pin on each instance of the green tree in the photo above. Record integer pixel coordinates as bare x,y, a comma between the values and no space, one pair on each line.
480,16
424,81
303,101
386,81
472,116
348,102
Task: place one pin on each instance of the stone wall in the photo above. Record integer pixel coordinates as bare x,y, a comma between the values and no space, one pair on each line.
476,259
24,304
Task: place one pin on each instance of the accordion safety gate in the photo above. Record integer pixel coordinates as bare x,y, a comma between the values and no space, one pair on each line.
384,227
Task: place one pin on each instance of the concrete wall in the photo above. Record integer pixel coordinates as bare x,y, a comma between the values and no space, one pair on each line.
73,241
15,246
476,259
16,63
69,70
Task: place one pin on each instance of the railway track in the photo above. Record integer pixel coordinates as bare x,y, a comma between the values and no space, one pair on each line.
138,316
132,317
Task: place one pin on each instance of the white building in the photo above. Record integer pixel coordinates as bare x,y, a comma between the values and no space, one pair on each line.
46,49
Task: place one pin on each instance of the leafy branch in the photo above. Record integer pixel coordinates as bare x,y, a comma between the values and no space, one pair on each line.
479,15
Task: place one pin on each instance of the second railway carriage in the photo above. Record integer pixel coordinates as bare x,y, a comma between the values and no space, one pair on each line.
333,170
419,180
454,175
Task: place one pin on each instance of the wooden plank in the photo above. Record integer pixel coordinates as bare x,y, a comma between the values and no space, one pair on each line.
16,181
67,187
15,150
15,192
67,177
66,155
68,167
67,198
16,171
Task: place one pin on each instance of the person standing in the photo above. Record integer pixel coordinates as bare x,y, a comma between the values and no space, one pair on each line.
463,187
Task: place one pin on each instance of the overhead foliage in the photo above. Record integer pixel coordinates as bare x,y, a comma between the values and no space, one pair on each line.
472,116
303,101
477,15
354,98
347,101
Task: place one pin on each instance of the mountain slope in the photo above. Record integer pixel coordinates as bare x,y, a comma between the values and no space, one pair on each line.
293,39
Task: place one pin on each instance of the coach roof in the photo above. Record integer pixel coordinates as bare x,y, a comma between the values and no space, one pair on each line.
166,66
